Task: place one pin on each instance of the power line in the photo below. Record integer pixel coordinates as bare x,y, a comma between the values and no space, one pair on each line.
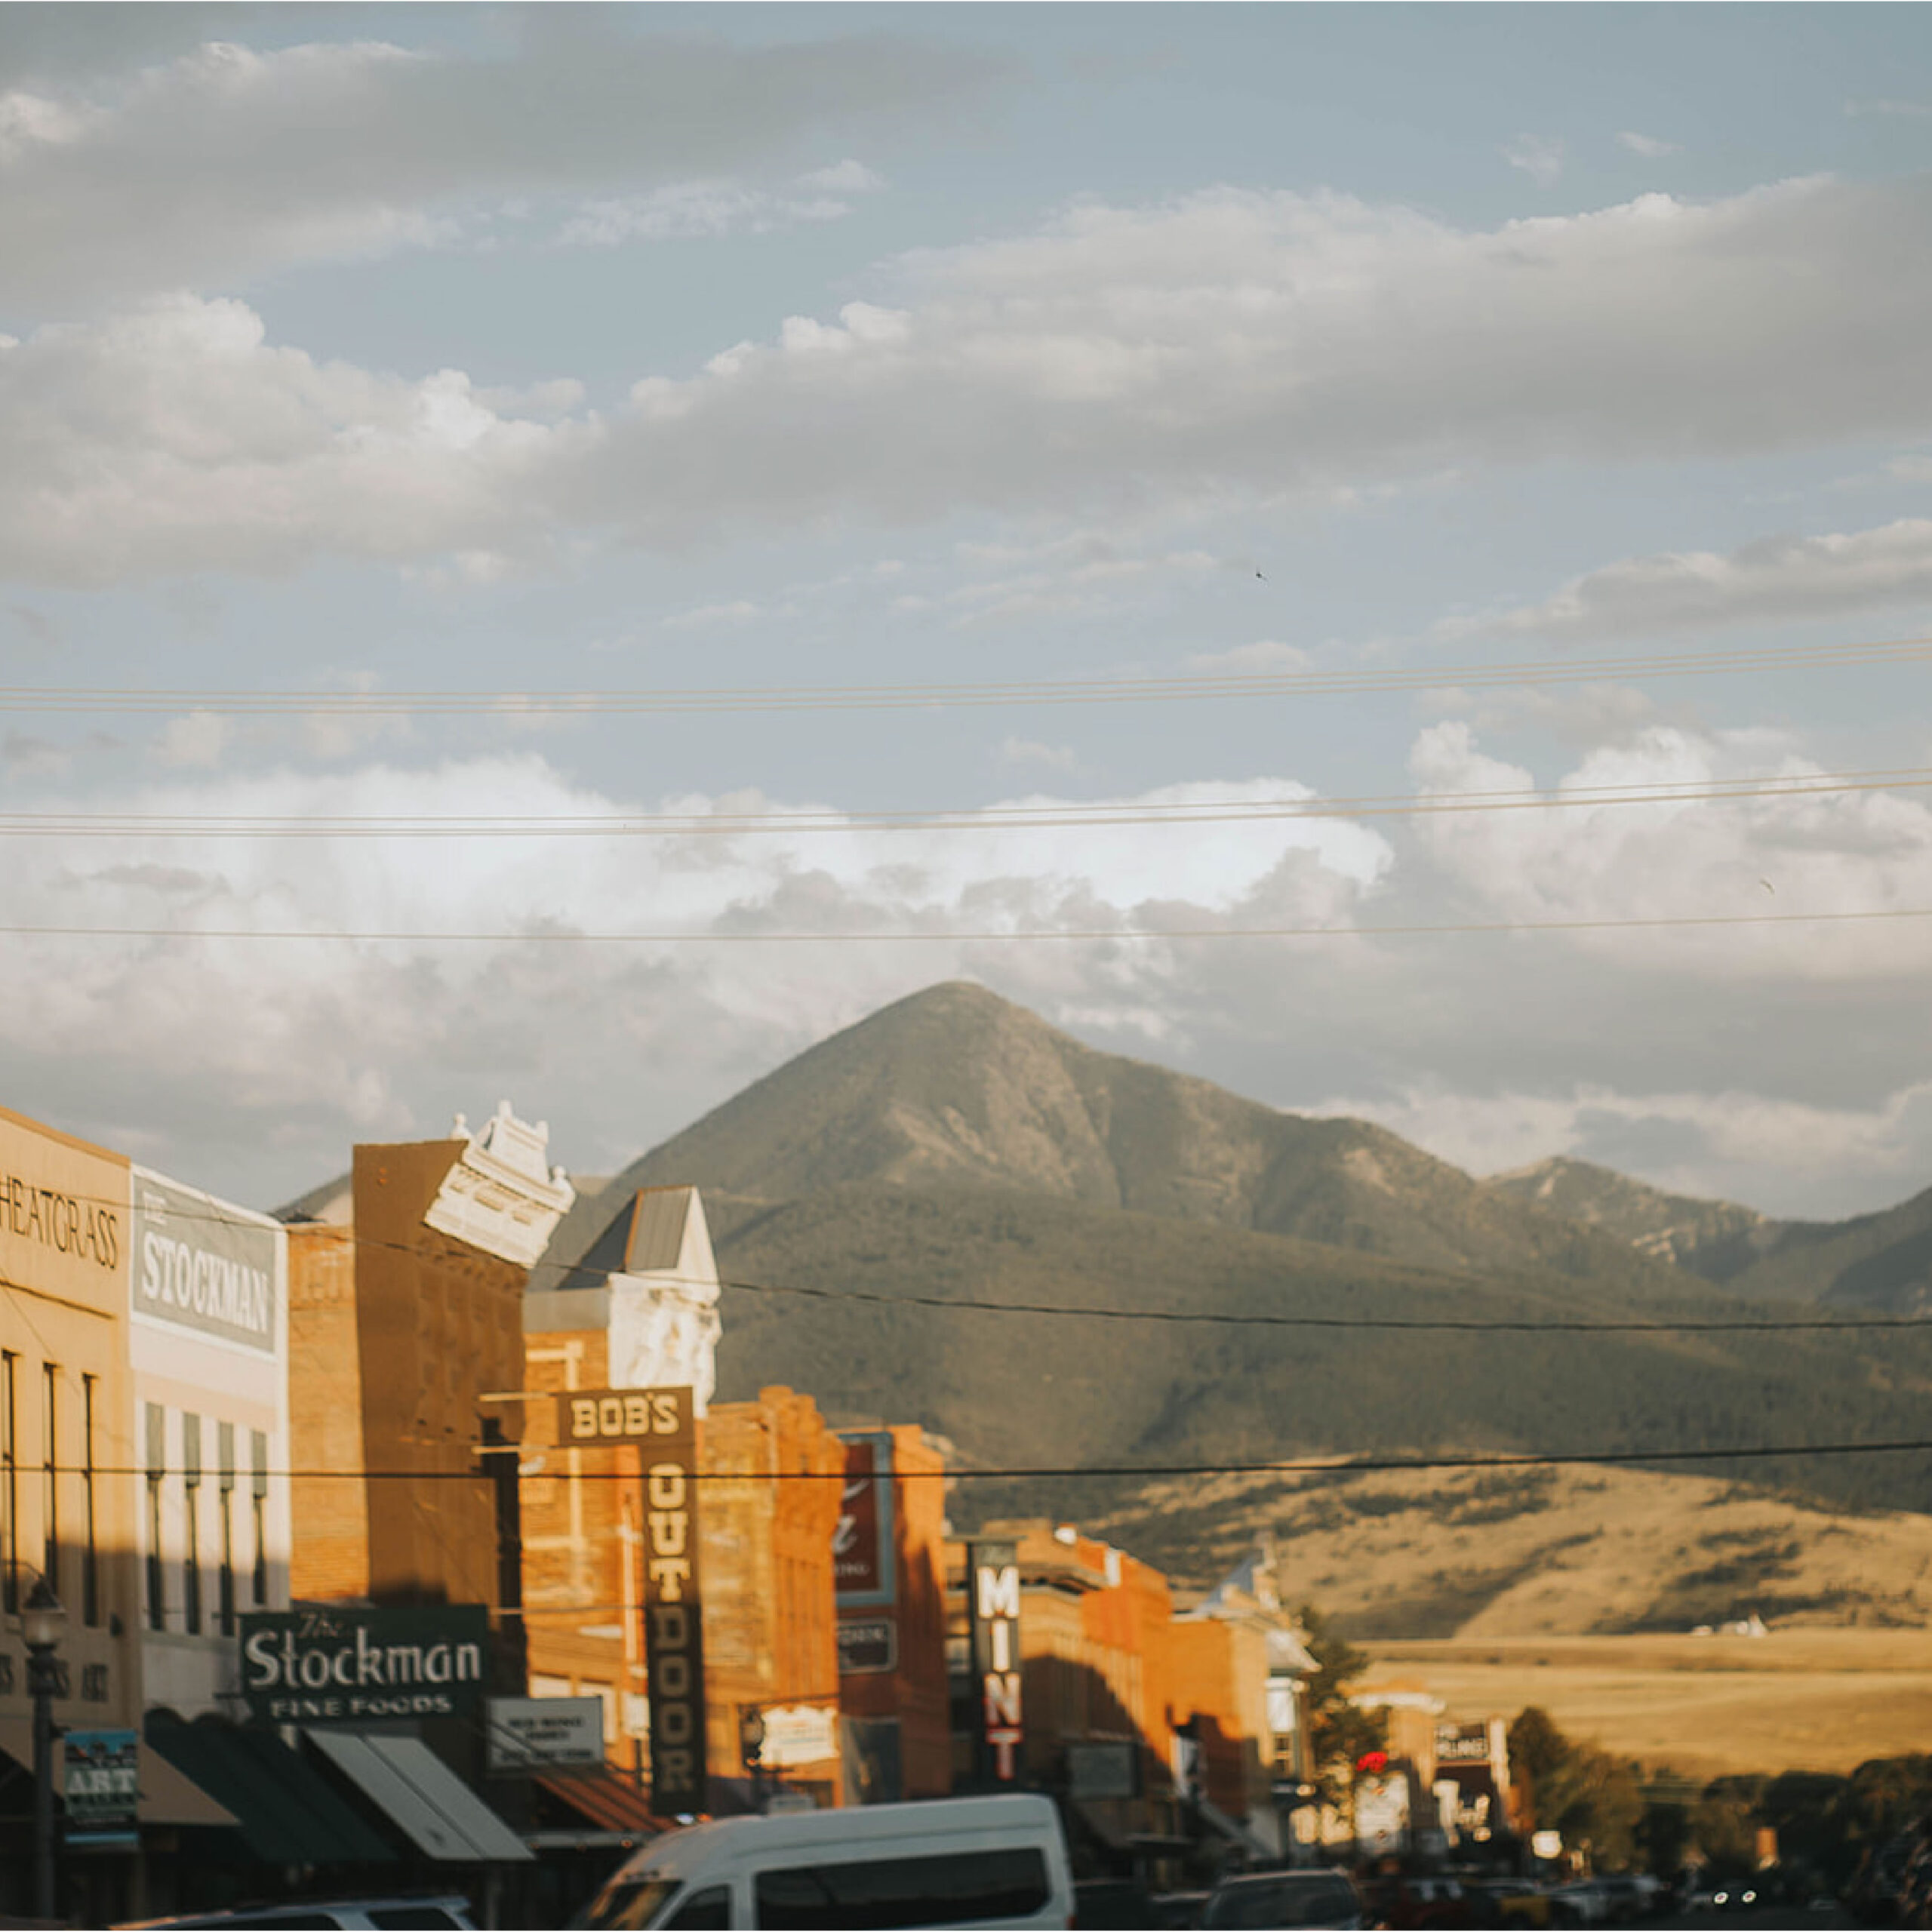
512,705
556,936
1290,1465
1054,815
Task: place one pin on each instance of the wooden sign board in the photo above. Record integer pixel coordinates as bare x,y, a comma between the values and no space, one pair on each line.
604,1418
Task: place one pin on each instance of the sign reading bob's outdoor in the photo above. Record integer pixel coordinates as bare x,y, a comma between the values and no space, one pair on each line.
315,1666
202,1265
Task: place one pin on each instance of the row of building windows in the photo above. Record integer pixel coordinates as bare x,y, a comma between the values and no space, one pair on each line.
200,1608
16,1458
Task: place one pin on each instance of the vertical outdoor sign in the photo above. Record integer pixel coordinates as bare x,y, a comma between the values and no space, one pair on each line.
992,1600
673,1625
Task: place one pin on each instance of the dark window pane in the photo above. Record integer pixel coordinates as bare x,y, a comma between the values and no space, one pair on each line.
953,1888
707,1910
408,1917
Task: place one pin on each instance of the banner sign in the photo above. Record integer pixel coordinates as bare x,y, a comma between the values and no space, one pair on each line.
867,1645
864,1553
604,1418
673,1623
993,1604
537,1733
330,1666
102,1787
198,1265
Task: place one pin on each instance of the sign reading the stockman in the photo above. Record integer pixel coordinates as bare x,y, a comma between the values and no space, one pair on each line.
329,1665
199,1263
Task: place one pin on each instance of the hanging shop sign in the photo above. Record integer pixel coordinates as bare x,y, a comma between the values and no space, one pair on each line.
673,1623
606,1418
867,1646
864,1547
539,1734
101,1786
993,1600
330,1665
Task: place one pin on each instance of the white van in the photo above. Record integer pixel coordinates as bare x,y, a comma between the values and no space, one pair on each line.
947,1861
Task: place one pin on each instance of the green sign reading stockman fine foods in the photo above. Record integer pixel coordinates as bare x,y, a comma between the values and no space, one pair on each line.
323,1666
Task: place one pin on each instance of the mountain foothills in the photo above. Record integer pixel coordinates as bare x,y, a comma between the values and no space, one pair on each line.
954,1149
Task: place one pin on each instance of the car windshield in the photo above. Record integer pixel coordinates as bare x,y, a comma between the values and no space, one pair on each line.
628,1903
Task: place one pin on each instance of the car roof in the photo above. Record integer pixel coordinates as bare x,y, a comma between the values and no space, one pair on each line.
1015,1811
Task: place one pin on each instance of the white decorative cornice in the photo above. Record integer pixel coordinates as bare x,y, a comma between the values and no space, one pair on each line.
502,1196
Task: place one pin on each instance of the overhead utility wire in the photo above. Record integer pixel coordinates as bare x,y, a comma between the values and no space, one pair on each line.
1293,1465
999,818
551,936
513,704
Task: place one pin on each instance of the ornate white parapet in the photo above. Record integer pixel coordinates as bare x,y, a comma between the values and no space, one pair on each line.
502,1195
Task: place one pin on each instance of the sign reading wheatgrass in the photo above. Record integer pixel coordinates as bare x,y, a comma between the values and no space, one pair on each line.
330,1666
200,1264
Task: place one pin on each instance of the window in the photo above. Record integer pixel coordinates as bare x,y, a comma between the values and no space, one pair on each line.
951,1888
707,1910
1306,1898
225,1446
10,1483
191,1554
258,1487
90,1549
50,1417
157,1470
626,1904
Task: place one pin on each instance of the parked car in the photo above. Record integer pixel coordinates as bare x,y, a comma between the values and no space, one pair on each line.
1115,1904
949,1861
447,1913
1285,1899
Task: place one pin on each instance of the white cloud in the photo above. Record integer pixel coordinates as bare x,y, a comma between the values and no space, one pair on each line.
196,740
1648,146
1539,158
1782,577
688,208
1031,751
224,160
1690,860
843,178
1908,110
1265,658
1227,342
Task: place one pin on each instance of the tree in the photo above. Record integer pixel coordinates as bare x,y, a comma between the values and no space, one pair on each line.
1592,1798
1340,1733
1724,1821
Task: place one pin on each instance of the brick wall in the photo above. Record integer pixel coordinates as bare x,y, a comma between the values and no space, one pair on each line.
331,1556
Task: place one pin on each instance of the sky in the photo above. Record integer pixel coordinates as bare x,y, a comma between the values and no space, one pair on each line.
1421,486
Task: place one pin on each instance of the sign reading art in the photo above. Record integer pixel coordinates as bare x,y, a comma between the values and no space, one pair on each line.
604,1418
673,1624
865,1562
993,1602
321,1666
201,1265
101,1787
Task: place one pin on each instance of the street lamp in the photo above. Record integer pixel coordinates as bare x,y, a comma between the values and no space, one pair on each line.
751,1745
43,1623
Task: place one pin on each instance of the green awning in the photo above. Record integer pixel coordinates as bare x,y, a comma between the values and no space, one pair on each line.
286,1813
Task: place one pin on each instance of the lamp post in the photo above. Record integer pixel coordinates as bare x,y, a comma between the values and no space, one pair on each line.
751,1745
43,1623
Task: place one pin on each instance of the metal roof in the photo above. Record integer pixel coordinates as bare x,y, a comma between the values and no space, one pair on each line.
436,1810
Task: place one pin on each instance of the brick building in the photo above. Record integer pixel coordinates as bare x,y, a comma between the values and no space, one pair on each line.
406,1331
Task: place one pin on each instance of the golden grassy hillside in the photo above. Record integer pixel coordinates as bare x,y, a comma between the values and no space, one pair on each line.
1521,1553
1811,1699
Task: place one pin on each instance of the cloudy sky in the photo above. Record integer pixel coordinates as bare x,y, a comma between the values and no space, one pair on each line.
1065,446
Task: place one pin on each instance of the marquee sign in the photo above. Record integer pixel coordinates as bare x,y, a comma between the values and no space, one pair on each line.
673,1622
324,1666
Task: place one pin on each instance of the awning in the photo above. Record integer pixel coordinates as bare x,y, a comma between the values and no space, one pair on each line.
436,1810
284,1813
613,1803
167,1797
